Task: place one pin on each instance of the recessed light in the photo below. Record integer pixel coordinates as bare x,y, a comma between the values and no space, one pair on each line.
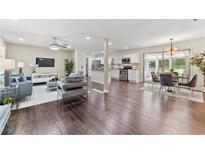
68,46
110,43
21,39
88,38
195,19
125,48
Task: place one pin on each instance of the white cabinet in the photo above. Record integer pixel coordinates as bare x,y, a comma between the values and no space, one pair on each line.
118,60
109,60
115,73
133,76
102,60
135,58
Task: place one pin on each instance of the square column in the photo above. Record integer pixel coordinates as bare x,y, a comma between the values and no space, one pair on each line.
106,85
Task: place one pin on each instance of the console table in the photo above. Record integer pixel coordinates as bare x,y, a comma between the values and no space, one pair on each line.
43,78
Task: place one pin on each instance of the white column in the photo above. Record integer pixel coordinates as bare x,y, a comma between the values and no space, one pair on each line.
106,85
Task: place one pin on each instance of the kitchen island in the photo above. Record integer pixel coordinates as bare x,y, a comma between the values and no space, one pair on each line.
97,76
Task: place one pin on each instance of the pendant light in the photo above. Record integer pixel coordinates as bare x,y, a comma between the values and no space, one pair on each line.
171,49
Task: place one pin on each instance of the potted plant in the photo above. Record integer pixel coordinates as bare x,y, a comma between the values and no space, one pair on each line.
69,66
199,61
8,101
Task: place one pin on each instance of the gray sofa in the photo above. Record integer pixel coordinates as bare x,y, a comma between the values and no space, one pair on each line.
5,111
73,86
24,87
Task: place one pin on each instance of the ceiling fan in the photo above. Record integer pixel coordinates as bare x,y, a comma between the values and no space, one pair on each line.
56,45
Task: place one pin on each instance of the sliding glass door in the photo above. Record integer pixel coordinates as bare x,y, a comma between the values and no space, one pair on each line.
152,63
163,62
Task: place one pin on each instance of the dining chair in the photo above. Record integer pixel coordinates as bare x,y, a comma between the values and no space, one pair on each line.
190,84
166,80
155,79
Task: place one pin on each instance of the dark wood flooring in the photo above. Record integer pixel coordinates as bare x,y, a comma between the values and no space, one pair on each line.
125,110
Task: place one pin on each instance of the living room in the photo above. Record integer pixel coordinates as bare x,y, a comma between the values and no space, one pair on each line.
74,76
102,76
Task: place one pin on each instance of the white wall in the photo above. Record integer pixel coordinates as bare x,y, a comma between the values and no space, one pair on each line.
28,54
2,47
80,61
2,56
2,42
196,46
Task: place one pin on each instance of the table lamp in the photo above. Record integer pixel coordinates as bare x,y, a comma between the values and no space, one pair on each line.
7,65
20,65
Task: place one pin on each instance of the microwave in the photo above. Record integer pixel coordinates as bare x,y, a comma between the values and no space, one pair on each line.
126,60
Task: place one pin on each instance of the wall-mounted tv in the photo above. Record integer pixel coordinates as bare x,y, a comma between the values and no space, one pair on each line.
45,62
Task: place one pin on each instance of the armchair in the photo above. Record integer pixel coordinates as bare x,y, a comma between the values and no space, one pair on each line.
72,87
25,89
23,84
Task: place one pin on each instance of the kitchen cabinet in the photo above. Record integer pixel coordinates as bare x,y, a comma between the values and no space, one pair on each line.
115,73
109,60
135,58
133,75
118,60
102,60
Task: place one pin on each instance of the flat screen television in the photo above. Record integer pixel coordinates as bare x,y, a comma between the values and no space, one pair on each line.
45,62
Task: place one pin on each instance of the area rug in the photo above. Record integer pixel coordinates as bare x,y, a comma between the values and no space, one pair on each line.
40,95
184,93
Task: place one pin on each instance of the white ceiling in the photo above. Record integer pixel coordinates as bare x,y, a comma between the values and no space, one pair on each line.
130,33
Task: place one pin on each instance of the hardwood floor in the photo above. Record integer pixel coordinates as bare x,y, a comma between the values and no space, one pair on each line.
125,110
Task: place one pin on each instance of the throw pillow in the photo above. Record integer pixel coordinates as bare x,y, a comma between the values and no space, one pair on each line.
21,79
13,80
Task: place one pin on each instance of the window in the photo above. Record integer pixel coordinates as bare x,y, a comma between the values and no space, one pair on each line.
153,63
163,62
